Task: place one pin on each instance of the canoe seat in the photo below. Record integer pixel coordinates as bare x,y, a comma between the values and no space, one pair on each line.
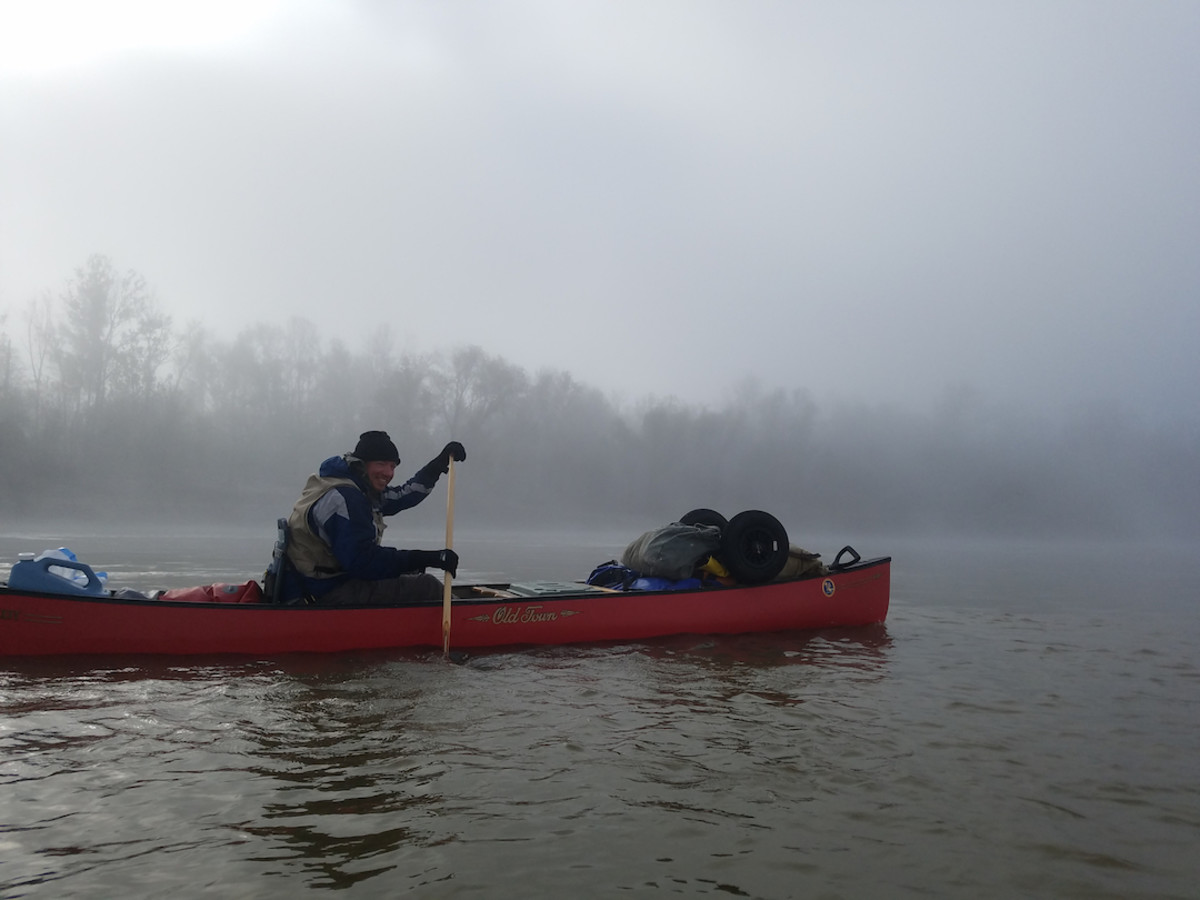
274,576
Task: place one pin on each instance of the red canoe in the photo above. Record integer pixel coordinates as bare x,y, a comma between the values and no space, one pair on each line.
497,615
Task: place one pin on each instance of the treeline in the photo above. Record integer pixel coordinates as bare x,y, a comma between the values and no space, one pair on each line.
107,409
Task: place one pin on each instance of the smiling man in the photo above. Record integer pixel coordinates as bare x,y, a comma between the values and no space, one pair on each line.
337,526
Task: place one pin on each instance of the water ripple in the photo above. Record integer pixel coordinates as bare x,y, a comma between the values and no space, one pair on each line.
952,752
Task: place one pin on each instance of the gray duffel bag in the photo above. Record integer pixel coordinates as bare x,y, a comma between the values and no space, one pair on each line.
674,552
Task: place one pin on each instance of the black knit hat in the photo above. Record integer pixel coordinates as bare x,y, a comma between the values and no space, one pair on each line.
376,446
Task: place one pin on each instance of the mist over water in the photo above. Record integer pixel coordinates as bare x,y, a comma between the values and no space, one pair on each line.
986,471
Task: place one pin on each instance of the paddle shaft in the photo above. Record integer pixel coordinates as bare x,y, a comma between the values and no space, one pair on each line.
449,546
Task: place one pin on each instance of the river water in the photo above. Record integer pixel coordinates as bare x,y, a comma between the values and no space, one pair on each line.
1026,723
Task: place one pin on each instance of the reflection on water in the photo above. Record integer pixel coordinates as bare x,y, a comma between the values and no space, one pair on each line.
863,647
339,771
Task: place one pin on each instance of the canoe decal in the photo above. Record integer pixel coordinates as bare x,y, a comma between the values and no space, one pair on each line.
828,587
15,615
523,615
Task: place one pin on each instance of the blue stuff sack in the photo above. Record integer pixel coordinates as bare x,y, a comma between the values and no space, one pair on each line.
664,584
612,575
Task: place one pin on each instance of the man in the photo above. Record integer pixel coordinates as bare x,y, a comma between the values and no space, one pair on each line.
337,524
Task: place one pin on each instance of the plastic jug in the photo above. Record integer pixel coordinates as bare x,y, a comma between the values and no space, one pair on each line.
36,575
75,575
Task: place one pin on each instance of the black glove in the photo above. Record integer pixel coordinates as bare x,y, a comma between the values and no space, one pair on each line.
453,450
440,559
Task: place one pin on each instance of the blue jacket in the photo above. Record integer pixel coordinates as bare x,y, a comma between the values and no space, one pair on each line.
345,517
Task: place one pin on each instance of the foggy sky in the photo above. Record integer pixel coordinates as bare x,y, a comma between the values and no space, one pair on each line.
881,203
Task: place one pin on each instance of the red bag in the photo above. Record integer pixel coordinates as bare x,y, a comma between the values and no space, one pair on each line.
250,592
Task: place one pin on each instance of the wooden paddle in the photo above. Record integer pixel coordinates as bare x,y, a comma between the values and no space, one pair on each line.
448,578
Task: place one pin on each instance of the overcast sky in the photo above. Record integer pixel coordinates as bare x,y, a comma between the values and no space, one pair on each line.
883,202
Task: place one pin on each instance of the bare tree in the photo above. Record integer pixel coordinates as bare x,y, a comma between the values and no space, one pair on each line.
100,307
190,371
142,350
472,386
39,342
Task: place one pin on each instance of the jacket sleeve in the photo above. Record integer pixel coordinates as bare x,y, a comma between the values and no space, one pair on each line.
409,494
342,518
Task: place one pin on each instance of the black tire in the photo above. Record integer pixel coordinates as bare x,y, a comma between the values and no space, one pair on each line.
754,547
704,517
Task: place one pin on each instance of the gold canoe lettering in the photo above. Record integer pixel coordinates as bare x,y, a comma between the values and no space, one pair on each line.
41,620
16,615
520,615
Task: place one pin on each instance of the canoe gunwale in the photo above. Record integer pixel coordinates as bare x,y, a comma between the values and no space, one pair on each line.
588,592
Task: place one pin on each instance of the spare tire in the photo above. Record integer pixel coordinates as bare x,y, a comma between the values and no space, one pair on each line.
704,517
754,547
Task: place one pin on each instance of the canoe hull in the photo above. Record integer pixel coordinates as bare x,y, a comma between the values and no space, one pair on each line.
33,624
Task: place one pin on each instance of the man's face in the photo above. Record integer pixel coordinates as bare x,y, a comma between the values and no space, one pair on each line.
379,474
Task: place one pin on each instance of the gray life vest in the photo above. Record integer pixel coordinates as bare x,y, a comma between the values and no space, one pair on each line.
311,556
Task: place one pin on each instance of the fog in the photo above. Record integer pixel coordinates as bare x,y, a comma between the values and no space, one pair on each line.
876,266
227,431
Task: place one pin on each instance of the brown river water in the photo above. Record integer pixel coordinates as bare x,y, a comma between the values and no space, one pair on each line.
1026,724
